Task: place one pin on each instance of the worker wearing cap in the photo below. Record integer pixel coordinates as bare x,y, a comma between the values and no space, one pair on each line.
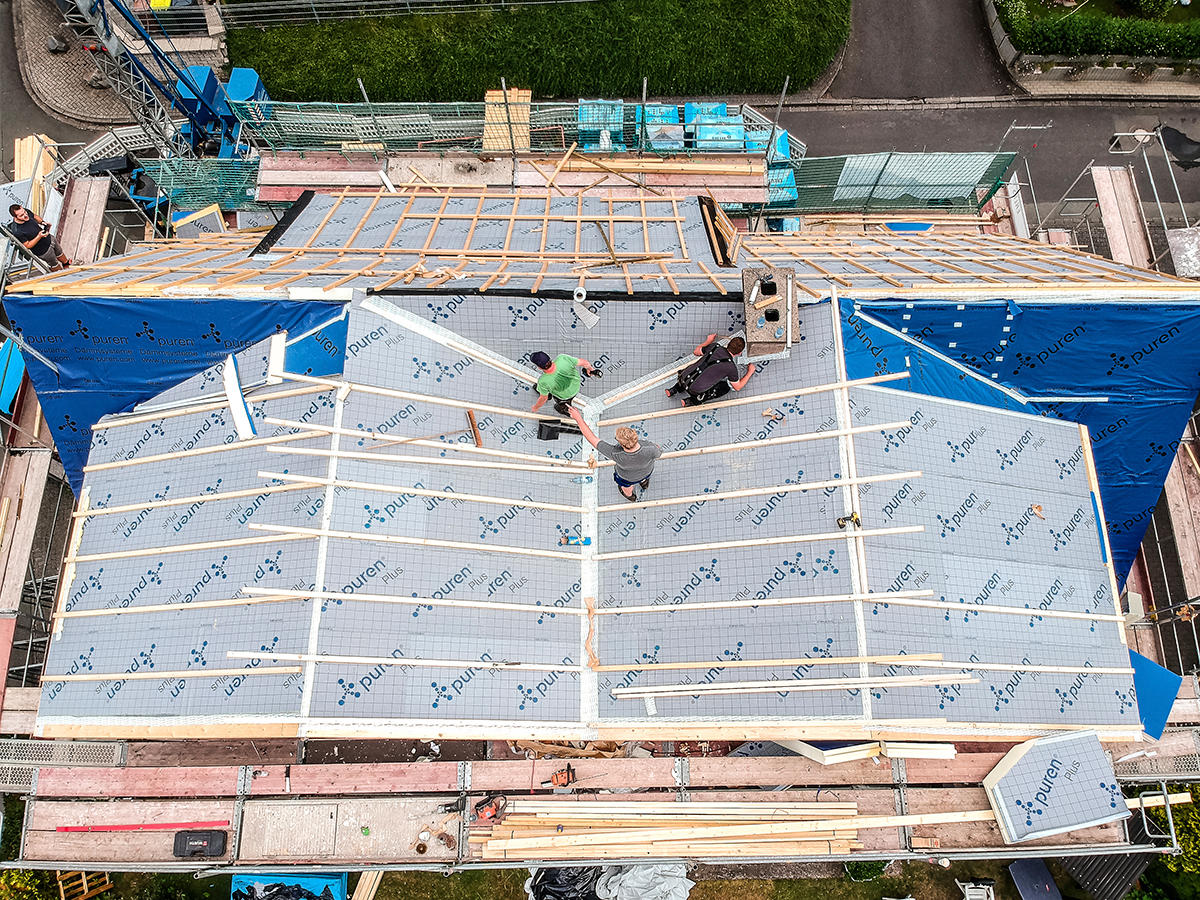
34,234
714,374
561,379
633,460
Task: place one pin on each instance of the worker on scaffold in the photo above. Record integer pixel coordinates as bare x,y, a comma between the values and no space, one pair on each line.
714,374
560,379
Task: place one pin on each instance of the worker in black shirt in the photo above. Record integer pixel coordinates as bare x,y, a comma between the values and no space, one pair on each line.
714,374
34,234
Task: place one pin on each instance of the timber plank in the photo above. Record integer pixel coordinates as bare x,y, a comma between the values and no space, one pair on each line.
104,848
323,160
23,485
966,768
1181,491
974,835
49,815
211,752
177,781
82,218
732,771
353,830
362,778
500,775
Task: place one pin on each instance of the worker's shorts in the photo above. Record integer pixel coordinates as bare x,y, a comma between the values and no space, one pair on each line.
51,254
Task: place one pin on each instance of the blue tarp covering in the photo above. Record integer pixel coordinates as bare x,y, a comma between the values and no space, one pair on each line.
112,353
1156,691
316,884
12,367
1134,356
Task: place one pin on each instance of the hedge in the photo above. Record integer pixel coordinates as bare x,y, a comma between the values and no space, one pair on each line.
565,51
1096,35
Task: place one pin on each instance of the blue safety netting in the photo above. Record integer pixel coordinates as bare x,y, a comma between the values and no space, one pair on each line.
114,353
1127,370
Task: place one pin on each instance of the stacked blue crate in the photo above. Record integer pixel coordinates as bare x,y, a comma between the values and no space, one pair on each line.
781,185
692,112
757,140
602,125
663,129
719,132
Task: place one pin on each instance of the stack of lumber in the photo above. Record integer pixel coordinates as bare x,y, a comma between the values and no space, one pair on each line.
595,829
285,176
32,159
506,123
729,178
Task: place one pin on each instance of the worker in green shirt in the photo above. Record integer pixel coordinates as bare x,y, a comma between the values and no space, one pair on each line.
561,379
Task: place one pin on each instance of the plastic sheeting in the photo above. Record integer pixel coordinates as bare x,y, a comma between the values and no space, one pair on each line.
665,882
114,353
1125,370
661,882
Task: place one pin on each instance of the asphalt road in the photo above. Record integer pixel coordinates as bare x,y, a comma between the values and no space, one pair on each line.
1056,156
919,48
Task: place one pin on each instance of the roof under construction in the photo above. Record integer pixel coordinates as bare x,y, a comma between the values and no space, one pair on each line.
471,240
361,565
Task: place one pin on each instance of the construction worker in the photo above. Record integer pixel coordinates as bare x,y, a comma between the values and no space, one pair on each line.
561,379
633,461
34,235
714,374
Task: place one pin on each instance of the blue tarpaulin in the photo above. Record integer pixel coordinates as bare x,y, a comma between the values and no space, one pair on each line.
12,367
1156,691
114,353
260,886
1126,370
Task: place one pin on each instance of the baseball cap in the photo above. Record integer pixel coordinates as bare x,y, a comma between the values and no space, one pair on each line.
540,359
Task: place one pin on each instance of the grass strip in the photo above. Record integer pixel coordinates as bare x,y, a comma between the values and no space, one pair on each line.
564,51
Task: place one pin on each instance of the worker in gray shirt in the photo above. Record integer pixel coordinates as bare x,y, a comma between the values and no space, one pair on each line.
633,460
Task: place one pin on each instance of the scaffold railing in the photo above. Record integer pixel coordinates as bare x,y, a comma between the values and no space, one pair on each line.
595,126
192,184
882,182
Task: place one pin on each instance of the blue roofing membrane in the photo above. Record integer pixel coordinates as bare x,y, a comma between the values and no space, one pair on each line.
415,582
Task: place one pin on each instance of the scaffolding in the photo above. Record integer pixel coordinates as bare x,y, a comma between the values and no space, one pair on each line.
882,182
192,184
611,126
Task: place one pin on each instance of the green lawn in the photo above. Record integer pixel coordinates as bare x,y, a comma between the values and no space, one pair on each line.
565,51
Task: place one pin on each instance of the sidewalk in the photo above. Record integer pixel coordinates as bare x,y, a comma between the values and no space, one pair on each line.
57,82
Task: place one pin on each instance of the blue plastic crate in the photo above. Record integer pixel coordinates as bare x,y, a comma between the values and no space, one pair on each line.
595,116
781,185
693,111
757,140
657,114
720,133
